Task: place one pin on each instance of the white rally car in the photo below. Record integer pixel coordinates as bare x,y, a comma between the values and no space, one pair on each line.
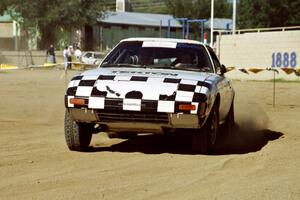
91,57
151,85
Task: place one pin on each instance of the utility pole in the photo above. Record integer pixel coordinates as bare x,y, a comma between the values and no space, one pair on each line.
233,16
212,24
121,5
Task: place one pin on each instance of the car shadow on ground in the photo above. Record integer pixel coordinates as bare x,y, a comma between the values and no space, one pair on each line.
242,141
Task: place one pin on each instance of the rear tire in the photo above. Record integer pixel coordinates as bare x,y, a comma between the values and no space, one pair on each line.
204,141
78,135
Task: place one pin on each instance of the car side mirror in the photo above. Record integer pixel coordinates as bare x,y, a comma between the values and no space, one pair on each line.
223,69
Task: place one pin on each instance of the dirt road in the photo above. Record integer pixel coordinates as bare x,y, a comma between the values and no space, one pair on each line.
260,162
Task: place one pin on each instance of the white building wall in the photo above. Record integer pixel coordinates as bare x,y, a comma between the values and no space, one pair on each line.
260,49
6,30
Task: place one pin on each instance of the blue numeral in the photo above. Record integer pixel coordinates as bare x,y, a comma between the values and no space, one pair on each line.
278,60
273,59
293,59
284,59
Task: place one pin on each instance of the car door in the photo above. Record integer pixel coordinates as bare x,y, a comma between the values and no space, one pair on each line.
224,87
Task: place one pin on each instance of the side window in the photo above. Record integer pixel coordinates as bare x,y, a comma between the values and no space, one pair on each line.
204,61
88,55
215,60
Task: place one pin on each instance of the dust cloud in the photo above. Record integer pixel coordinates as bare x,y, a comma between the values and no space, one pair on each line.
251,131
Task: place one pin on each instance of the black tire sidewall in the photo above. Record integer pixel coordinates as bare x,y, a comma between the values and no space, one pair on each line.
78,135
201,139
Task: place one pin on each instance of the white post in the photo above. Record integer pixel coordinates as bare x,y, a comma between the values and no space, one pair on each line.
233,16
16,34
212,24
120,5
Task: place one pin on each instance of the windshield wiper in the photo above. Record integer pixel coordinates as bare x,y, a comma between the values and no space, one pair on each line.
184,67
178,67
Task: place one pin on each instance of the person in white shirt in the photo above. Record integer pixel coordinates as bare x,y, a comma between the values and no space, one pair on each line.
65,54
78,54
69,56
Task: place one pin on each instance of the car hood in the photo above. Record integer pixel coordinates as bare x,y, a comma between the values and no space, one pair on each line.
136,84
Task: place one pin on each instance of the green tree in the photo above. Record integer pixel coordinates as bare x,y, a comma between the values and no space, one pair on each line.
53,16
199,9
268,13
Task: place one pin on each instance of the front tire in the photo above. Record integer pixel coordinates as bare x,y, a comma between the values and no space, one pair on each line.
204,141
78,135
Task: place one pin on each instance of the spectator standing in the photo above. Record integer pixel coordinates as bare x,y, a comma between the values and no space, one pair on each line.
51,54
65,54
78,54
69,56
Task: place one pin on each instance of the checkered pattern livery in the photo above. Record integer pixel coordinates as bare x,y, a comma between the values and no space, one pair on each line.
98,94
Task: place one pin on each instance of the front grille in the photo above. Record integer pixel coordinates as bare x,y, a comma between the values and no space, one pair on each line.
131,116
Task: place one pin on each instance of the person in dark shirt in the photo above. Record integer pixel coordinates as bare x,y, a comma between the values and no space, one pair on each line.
51,54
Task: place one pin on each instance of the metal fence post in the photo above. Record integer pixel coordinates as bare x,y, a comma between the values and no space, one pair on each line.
169,28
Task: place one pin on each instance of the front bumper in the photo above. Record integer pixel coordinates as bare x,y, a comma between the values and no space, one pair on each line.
137,121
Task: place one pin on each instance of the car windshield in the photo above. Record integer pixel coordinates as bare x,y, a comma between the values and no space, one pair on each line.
159,54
